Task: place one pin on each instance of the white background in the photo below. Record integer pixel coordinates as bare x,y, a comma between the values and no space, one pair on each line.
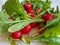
54,4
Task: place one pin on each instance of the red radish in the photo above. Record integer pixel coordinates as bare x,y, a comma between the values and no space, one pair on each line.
38,10
17,34
27,5
26,29
30,10
47,17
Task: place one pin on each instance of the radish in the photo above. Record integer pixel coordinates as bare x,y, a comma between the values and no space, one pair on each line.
47,17
26,29
17,34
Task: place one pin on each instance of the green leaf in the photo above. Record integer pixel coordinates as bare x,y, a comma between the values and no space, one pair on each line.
4,21
4,28
52,10
50,40
52,32
18,26
3,16
13,6
8,9
57,9
53,22
52,35
38,4
47,4
41,13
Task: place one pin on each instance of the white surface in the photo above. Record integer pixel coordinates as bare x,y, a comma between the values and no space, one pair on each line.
21,43
54,4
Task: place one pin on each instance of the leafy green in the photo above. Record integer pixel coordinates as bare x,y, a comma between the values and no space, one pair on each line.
3,28
8,8
18,26
51,35
42,4
47,4
50,40
53,32
41,13
4,22
57,9
13,6
52,10
38,4
53,22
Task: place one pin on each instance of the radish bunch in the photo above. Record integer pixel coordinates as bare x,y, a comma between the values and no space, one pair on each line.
29,9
